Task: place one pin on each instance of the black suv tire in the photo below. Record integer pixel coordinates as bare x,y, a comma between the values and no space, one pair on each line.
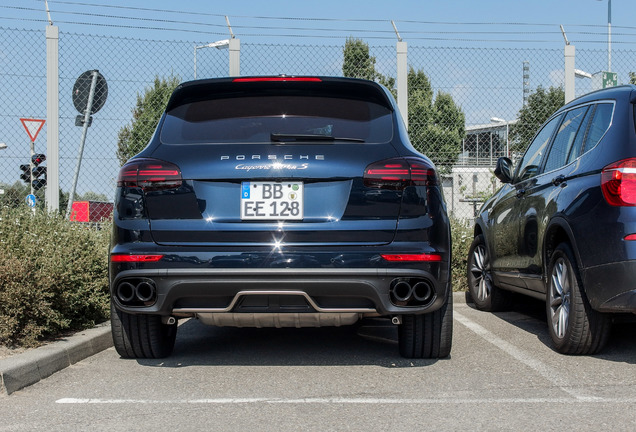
575,328
141,336
481,287
428,335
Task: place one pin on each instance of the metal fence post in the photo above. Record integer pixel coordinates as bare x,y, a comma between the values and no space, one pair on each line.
52,194
402,81
570,52
235,57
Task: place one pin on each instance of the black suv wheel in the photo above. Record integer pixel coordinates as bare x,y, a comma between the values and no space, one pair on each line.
429,335
141,336
574,326
482,290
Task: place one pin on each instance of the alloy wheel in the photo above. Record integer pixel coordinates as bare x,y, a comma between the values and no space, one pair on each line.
480,270
560,298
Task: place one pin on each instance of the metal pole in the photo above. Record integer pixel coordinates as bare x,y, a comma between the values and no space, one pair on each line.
52,193
477,147
48,12
507,139
609,35
31,165
464,151
402,81
31,171
87,116
490,133
235,57
570,52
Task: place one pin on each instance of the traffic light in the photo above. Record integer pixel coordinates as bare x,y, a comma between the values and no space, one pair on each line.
37,159
26,173
38,182
37,171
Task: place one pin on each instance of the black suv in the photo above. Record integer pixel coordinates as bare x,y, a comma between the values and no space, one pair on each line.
279,202
563,226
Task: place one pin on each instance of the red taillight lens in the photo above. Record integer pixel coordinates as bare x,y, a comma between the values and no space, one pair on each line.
413,257
630,237
150,174
618,181
398,173
135,258
279,78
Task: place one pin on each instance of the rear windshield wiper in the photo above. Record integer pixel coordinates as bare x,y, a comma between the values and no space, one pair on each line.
295,138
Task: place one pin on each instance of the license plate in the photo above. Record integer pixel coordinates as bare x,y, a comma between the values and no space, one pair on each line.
271,200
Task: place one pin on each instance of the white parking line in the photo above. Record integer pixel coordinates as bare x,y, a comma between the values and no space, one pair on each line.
541,368
350,401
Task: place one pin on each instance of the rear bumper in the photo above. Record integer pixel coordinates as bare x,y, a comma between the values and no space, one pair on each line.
183,291
611,287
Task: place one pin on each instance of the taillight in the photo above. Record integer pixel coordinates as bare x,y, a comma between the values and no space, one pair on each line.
135,258
398,173
150,174
618,181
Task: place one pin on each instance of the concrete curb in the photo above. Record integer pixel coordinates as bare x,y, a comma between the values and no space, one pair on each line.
22,370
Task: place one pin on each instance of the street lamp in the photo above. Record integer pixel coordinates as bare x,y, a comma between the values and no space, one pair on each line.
500,120
609,35
218,45
582,74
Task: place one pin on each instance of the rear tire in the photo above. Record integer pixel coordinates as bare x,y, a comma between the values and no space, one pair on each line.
481,287
575,328
429,335
141,336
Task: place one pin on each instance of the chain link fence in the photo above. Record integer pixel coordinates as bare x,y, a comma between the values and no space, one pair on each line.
463,103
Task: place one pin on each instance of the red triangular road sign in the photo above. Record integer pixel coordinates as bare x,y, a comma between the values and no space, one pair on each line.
32,127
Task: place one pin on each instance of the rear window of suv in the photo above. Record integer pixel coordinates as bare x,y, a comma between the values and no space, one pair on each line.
257,119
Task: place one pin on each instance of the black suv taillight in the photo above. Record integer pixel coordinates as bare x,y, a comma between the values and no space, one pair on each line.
398,173
150,174
618,181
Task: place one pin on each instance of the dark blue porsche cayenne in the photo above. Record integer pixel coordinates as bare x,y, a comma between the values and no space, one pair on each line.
280,202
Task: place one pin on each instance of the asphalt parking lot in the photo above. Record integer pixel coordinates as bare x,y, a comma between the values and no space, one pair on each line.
502,375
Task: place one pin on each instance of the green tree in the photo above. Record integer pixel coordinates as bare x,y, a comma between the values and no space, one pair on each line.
358,63
632,78
133,137
541,105
436,124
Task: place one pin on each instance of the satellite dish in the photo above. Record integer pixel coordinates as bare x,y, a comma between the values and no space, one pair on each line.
82,89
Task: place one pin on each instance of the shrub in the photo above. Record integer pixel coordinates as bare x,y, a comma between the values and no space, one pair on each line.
461,236
53,276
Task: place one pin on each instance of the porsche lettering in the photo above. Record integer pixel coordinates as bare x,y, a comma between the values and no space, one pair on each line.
286,157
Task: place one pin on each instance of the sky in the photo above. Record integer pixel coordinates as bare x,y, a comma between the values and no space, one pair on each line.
486,22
